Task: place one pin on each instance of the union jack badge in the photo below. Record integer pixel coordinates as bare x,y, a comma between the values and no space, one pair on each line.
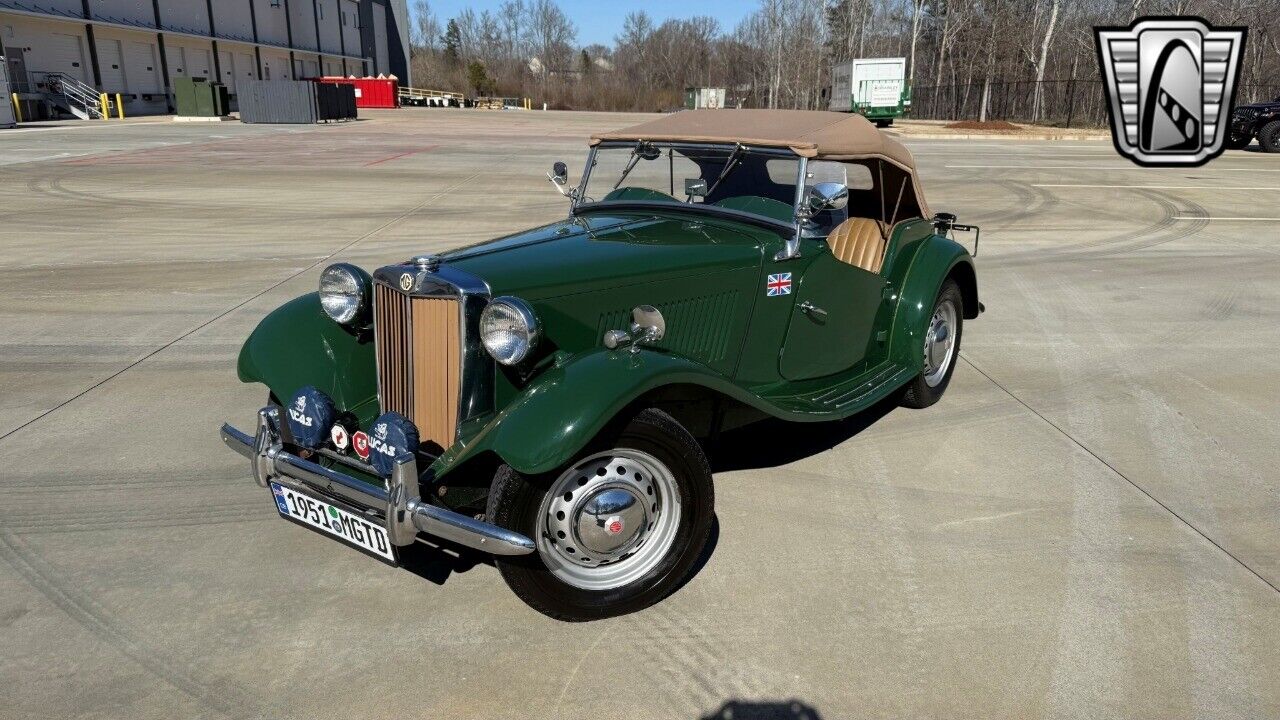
779,284
1170,82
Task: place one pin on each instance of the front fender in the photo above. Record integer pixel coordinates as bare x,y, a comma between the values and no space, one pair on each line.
935,258
556,416
298,345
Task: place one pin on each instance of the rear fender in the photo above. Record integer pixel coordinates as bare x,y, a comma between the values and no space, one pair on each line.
918,278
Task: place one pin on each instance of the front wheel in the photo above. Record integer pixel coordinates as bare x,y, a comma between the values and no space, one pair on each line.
1269,136
616,529
941,348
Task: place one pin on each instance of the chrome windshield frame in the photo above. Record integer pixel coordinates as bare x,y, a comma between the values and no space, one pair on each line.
728,148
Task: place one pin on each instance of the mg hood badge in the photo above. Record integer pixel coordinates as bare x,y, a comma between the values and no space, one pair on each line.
406,282
1170,83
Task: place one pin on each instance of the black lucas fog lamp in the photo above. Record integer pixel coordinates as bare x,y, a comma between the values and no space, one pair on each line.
310,414
391,436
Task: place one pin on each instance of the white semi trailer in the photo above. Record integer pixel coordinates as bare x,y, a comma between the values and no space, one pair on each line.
874,87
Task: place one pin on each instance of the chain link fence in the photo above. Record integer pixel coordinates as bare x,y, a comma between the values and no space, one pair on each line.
1067,103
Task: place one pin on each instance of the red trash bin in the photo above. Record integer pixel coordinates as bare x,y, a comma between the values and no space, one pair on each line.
371,92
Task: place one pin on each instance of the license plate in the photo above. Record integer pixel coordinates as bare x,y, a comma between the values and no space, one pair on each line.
331,520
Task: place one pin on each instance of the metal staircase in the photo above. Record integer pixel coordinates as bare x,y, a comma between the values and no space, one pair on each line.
70,95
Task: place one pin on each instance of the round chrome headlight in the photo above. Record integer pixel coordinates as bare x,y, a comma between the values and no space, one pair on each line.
344,293
509,329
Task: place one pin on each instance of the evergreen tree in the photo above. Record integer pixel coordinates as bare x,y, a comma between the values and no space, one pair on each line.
452,44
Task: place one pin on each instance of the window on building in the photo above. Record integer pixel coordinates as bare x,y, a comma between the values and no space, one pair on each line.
275,3
320,10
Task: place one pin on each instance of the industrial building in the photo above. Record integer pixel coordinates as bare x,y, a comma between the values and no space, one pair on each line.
63,54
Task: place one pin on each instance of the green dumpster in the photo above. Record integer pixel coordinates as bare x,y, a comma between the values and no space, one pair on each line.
197,97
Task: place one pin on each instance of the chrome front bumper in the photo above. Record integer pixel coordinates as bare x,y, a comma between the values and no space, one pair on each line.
399,505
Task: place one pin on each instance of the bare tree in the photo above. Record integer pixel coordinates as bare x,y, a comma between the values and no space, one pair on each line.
986,59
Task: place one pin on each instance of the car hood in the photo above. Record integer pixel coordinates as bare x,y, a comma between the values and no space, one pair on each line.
607,250
1272,105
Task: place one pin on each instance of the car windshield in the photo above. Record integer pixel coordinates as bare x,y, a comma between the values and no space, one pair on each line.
755,182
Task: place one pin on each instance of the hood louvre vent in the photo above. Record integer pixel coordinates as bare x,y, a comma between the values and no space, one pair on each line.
697,327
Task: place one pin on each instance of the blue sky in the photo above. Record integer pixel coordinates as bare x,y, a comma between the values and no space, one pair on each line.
599,20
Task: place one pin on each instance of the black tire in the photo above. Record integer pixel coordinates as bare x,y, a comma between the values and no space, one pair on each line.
515,501
884,123
1269,136
1238,142
919,393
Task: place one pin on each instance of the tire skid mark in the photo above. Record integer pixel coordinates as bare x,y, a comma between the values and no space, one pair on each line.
897,560
157,525
1039,255
1159,232
128,519
1086,658
89,614
1213,642
677,656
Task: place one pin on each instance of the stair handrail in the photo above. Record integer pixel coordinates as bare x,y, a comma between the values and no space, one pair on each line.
73,89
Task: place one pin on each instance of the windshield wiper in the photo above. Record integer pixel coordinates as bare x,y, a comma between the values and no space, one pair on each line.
729,164
631,163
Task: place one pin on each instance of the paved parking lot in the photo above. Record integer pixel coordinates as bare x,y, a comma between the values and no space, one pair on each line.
1086,526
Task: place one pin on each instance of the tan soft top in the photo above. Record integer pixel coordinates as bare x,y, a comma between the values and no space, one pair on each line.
808,133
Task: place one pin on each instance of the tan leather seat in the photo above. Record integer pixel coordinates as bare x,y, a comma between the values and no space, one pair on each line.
859,242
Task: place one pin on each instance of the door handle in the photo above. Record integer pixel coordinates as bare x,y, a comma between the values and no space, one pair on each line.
813,311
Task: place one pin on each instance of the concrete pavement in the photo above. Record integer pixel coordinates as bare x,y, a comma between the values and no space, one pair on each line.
1086,526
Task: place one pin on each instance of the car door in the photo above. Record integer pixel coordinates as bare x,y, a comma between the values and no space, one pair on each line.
833,315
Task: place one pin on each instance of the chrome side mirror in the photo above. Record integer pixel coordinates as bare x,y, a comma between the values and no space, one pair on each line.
647,327
648,324
559,177
824,196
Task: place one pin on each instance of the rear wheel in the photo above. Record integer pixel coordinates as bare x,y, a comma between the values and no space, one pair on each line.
1269,136
616,529
941,348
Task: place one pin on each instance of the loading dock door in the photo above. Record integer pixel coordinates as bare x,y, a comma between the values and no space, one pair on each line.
178,62
143,68
227,64
246,68
201,63
111,67
68,56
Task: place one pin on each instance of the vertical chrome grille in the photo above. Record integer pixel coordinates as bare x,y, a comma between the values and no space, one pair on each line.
418,342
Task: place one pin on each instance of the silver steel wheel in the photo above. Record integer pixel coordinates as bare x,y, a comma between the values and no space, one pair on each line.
940,343
609,519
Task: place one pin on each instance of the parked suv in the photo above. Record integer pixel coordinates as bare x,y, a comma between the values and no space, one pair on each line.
1260,120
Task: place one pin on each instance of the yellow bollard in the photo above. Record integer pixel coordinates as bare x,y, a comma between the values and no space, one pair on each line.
17,108
106,106
119,106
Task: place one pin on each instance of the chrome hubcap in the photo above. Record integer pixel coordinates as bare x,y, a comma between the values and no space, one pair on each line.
609,519
939,343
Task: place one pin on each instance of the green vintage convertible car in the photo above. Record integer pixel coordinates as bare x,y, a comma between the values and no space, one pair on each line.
546,397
